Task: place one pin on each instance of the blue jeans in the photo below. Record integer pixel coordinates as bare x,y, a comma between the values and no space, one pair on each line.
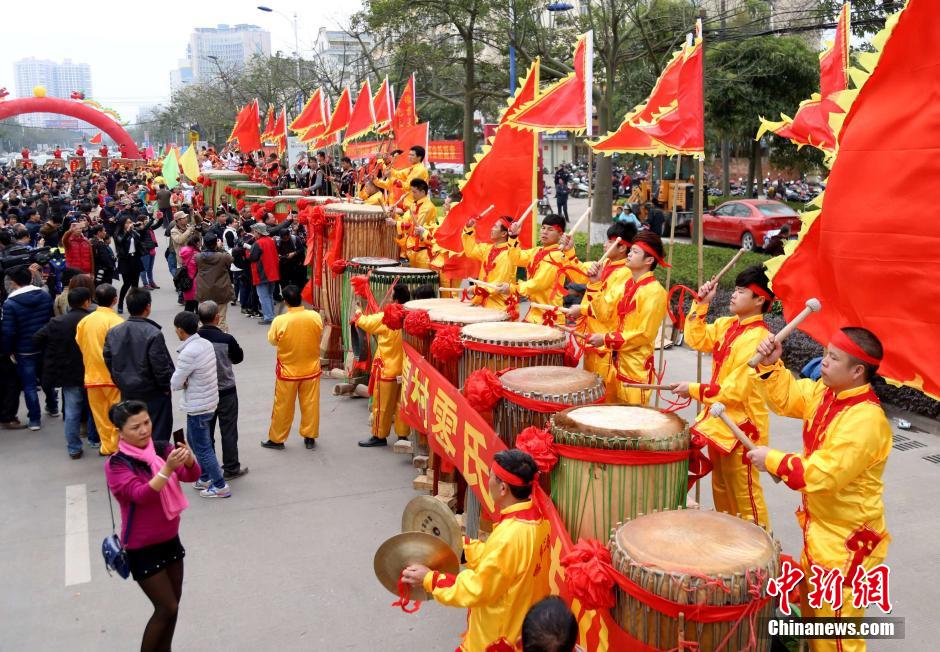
26,368
146,276
73,405
266,297
170,261
197,432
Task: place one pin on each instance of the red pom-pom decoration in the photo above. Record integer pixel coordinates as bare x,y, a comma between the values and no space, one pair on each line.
302,204
240,204
269,206
540,444
447,345
339,266
359,283
482,389
417,323
590,575
393,316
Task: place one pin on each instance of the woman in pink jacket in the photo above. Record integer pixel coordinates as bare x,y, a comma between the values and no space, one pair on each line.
146,484
188,260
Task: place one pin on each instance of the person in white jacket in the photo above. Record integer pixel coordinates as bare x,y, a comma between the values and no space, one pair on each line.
197,377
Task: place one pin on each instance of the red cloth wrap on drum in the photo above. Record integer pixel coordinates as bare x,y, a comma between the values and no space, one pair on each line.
418,323
514,351
336,241
447,345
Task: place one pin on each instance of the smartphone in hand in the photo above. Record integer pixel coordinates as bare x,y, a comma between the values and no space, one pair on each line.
178,437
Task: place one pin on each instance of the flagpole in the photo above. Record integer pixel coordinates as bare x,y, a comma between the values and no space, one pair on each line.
700,239
672,241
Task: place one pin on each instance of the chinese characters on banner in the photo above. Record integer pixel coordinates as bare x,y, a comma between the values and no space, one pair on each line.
439,151
825,586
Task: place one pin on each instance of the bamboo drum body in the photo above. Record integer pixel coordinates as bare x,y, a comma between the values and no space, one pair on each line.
510,335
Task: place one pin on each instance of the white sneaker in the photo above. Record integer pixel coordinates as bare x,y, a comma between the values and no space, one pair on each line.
202,485
214,492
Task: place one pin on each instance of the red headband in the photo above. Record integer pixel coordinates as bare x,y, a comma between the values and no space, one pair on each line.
842,341
509,477
555,226
759,291
505,219
649,250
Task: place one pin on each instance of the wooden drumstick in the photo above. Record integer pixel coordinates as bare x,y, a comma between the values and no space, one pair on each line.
485,211
477,281
454,290
548,307
571,331
718,410
812,305
645,386
731,263
577,225
609,249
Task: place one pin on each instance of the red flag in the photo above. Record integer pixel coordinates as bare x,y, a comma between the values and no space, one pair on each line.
96,139
504,176
246,129
406,114
362,119
279,132
382,107
268,125
566,105
811,124
867,268
341,114
405,139
313,113
629,137
681,128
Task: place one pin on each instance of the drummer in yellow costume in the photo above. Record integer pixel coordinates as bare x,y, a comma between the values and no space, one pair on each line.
371,195
496,265
386,368
597,310
546,267
439,255
506,574
736,487
846,441
412,227
398,181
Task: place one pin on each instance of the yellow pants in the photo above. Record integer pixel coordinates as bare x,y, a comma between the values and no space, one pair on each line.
736,487
385,410
286,393
599,363
826,611
100,400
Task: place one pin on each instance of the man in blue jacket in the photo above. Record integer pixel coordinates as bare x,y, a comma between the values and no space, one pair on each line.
26,310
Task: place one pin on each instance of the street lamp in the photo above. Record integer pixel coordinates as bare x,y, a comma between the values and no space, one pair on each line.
293,21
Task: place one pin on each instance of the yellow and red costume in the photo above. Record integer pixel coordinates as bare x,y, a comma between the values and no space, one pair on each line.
441,257
375,199
296,334
399,181
496,266
386,368
416,248
736,487
102,392
846,442
639,310
599,315
504,576
546,271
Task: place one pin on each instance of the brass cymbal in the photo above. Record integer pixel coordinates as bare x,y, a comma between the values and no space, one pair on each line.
428,514
408,548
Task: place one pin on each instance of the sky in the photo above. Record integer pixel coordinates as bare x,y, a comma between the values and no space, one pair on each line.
131,47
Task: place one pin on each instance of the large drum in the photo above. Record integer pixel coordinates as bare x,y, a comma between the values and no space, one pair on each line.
283,205
448,312
509,345
381,280
565,386
256,199
358,266
219,180
594,495
697,558
252,188
298,192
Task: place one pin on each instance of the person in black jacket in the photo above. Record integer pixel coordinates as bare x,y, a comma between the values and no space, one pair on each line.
135,353
227,353
63,367
129,252
102,255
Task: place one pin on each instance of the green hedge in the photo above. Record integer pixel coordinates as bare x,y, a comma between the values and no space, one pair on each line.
685,261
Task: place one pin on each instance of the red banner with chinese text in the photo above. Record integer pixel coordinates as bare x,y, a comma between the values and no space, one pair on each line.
457,433
446,151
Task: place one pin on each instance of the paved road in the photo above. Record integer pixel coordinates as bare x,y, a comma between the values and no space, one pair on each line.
286,563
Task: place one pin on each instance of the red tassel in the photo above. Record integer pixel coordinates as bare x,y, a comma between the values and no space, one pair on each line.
482,389
540,444
447,345
393,316
418,323
360,287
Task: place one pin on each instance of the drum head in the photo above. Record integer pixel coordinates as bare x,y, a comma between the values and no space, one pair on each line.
452,311
373,261
411,271
517,331
358,209
425,304
620,421
549,380
694,541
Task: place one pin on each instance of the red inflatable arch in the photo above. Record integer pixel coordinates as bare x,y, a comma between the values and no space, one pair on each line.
75,109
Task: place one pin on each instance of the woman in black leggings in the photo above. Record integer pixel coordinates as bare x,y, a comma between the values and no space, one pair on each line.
129,250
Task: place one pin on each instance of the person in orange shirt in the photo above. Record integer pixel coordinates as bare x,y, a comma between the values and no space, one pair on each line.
102,392
506,574
384,385
296,334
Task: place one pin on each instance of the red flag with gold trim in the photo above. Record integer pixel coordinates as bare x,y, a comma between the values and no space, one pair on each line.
247,129
408,137
504,175
382,106
810,125
341,114
867,269
268,125
279,132
567,104
406,112
362,119
313,113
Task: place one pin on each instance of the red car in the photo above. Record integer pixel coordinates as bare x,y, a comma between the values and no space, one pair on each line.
745,222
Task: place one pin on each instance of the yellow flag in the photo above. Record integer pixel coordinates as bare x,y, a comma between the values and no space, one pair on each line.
189,164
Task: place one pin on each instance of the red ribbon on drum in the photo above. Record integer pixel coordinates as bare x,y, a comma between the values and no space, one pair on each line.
483,389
